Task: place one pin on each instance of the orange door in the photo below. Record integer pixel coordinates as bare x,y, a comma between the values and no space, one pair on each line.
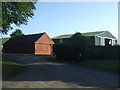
44,49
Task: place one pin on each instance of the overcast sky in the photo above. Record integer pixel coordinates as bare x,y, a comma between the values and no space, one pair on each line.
57,18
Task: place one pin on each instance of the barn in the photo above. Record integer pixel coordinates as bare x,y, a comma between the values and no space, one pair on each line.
29,44
98,38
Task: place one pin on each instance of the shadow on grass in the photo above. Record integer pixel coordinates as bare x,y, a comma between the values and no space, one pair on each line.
10,69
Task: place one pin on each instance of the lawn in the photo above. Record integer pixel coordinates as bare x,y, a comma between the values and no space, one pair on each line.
108,65
111,65
10,69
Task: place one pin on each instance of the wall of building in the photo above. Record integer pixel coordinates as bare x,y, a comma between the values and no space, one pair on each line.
102,41
19,48
44,45
114,42
97,41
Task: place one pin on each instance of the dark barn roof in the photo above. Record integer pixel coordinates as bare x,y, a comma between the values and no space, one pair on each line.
24,39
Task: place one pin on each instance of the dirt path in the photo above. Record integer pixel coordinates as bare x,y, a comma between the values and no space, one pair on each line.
42,73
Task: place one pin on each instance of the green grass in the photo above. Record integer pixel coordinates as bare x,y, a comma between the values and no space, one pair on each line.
108,65
10,69
112,65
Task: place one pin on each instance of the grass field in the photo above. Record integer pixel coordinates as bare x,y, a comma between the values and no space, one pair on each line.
10,69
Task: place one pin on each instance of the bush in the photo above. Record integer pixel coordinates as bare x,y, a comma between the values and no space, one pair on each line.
75,49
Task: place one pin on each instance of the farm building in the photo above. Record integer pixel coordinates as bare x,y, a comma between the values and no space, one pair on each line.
100,38
29,44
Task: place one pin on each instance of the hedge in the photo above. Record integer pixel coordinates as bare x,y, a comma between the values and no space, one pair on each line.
103,52
64,51
67,51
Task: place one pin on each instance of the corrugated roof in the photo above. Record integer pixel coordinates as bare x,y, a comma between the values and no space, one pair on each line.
25,39
85,34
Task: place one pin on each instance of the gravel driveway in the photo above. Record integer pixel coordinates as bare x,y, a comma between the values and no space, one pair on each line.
43,73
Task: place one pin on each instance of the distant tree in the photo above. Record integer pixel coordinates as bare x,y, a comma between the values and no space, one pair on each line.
16,13
17,32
